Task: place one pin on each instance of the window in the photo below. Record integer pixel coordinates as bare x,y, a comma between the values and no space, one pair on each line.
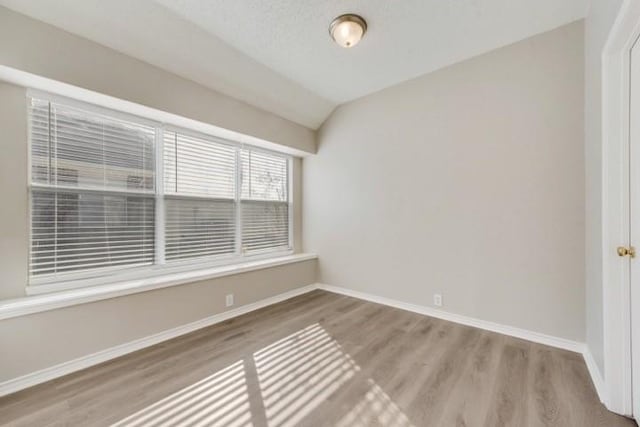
112,194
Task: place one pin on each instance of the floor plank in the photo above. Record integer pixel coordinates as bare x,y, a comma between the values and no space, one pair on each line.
323,359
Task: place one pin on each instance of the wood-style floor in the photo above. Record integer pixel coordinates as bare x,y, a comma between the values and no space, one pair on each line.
323,359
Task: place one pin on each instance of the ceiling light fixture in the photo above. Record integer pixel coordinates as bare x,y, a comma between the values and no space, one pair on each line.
347,30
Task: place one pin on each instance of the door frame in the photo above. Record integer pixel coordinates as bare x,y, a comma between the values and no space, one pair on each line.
615,208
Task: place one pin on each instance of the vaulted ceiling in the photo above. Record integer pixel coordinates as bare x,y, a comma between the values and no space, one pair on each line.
278,55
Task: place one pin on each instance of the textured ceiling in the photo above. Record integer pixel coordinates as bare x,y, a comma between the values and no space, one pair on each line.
148,31
278,54
405,38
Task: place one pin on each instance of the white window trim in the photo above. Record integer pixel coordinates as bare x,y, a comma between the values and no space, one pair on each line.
160,268
51,301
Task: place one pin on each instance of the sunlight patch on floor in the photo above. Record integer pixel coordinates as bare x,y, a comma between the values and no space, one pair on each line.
220,399
299,372
280,385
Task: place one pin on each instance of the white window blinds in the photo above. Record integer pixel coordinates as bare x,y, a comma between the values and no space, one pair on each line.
111,191
92,199
264,201
200,187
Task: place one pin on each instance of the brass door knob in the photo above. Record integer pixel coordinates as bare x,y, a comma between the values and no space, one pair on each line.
623,251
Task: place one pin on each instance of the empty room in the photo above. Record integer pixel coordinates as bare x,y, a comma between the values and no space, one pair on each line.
233,213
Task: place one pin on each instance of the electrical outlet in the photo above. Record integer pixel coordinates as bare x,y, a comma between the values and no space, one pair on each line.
437,300
229,300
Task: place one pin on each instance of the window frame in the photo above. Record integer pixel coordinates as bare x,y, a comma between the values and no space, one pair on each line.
160,267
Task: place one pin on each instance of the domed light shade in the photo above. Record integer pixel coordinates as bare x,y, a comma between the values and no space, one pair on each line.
347,30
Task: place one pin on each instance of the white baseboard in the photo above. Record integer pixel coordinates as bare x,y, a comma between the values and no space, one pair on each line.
29,380
536,337
596,375
47,374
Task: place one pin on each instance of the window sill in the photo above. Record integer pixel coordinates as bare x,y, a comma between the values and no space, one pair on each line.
35,304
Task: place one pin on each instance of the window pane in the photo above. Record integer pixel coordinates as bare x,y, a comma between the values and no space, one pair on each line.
101,152
265,208
78,230
265,226
199,167
199,228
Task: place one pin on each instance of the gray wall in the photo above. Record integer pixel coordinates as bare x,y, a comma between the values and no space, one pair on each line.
599,22
41,49
467,182
14,223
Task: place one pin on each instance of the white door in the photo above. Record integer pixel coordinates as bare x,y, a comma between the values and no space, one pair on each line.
634,175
